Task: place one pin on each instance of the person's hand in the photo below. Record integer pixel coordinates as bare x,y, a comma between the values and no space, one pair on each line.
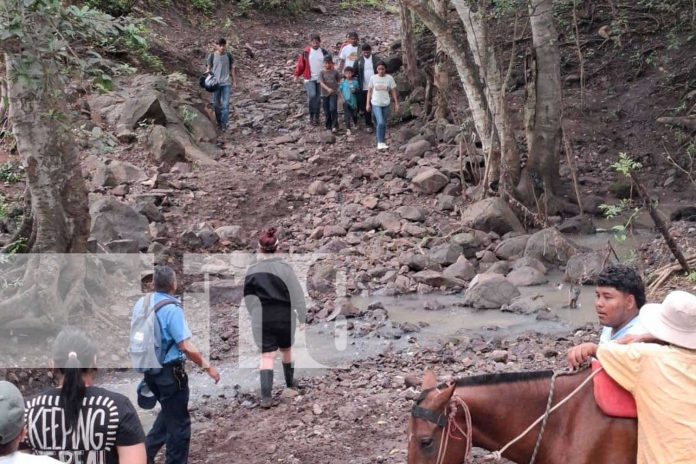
213,373
642,338
397,107
578,355
368,107
294,78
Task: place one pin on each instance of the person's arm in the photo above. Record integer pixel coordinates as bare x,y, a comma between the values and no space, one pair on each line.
297,299
324,86
395,95
578,355
299,67
195,356
233,74
134,454
209,63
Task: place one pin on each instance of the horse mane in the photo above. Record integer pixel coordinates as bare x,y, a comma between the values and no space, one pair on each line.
501,377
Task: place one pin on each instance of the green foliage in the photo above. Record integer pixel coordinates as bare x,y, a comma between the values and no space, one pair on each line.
357,4
11,173
625,165
691,277
135,37
112,7
205,6
3,207
18,246
187,116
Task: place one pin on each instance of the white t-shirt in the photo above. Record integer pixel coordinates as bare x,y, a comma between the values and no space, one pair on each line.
381,86
23,458
316,62
349,54
633,327
368,73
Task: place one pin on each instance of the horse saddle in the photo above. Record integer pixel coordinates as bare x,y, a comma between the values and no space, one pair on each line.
612,398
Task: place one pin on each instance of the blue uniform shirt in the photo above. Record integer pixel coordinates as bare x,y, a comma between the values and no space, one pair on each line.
172,324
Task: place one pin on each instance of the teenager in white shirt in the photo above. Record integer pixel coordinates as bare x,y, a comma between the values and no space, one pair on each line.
382,88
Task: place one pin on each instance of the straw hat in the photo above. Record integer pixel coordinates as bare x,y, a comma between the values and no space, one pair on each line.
673,320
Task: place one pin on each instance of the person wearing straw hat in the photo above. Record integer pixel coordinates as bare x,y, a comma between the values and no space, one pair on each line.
13,428
659,369
275,301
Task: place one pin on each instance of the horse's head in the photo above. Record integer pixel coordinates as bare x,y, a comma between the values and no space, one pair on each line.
429,429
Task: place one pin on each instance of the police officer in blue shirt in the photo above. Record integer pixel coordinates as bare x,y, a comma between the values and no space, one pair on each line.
170,386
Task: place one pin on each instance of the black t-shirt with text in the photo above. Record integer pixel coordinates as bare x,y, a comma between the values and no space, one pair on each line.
107,420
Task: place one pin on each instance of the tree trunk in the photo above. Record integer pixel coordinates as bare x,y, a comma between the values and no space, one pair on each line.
59,206
440,73
543,109
466,68
472,15
408,45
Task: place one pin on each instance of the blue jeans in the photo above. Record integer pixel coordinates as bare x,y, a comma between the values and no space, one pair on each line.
381,115
313,97
221,105
331,111
173,424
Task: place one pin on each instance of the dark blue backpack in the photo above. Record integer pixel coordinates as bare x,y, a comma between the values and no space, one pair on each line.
145,342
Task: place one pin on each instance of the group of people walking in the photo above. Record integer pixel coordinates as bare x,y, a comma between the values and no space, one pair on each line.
90,424
360,83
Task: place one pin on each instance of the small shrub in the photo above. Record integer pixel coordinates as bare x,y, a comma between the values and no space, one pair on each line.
11,173
113,7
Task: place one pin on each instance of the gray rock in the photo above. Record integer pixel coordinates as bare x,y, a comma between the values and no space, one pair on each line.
430,181
491,214
389,222
445,203
113,220
490,291
437,279
164,147
160,251
577,225
411,213
414,261
416,149
445,254
231,234
526,261
500,356
147,208
113,173
526,276
123,246
526,305
198,125
499,267
471,242
318,188
413,230
462,270
334,231
511,248
200,236
584,267
550,246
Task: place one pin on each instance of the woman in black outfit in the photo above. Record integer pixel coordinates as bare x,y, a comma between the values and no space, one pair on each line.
275,300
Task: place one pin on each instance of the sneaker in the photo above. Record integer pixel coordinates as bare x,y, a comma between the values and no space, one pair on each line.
348,132
333,130
382,146
266,403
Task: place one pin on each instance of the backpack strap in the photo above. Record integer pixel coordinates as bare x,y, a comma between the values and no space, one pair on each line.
165,302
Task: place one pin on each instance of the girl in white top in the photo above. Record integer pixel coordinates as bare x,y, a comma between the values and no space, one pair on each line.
382,86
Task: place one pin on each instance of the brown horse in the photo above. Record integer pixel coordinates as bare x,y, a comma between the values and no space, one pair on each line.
501,406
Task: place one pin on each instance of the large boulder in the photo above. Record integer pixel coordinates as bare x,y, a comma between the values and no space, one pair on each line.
113,220
430,181
551,247
462,270
164,147
491,215
471,242
526,276
490,291
112,173
437,279
584,267
445,254
199,126
416,149
511,248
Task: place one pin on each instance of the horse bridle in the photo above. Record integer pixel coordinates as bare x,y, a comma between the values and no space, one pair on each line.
447,421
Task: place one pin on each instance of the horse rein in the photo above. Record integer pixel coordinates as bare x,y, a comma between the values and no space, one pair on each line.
447,421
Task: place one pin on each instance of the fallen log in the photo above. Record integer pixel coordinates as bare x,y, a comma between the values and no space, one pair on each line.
686,122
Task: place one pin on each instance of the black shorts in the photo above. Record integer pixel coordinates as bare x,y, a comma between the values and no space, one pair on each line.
274,335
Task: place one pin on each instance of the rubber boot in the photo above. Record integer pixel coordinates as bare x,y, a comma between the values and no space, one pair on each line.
289,372
266,388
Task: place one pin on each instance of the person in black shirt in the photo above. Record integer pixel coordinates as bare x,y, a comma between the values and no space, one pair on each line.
86,423
275,300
